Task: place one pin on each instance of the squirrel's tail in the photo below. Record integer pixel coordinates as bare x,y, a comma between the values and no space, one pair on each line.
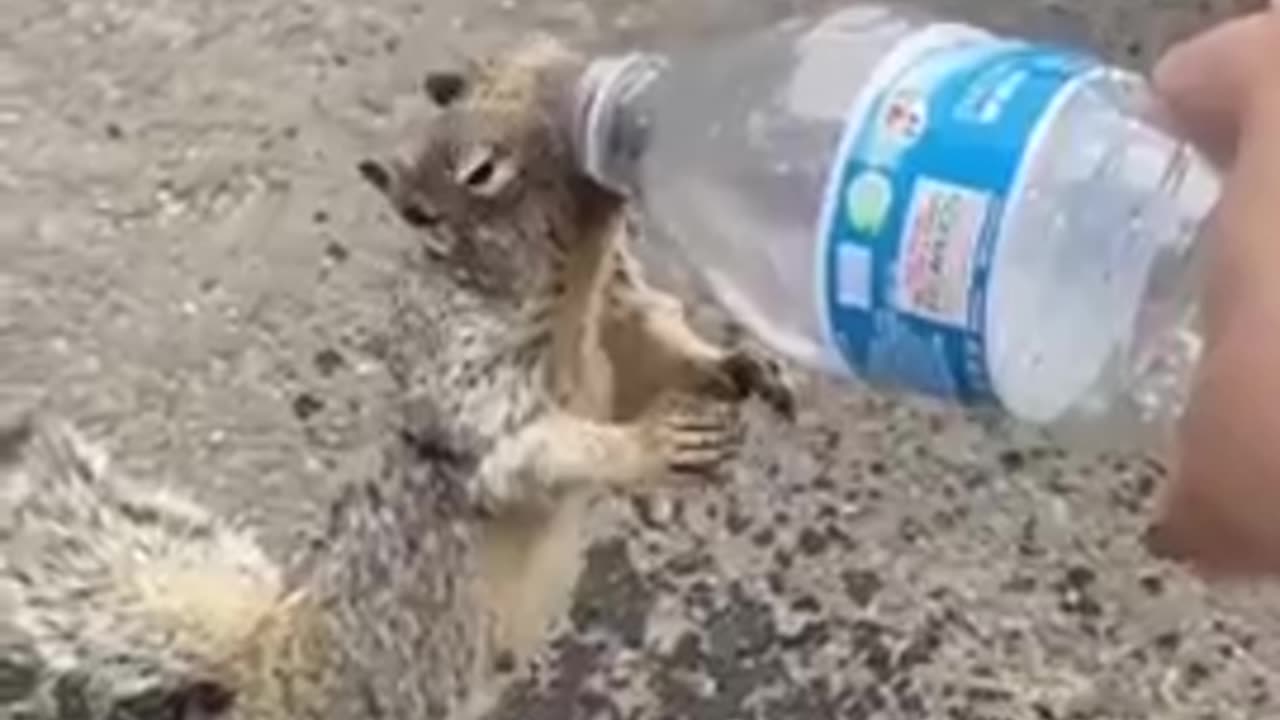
117,599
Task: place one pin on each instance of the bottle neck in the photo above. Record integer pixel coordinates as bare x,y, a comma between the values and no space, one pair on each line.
613,117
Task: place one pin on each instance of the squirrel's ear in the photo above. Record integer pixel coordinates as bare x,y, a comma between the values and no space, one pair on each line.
444,87
376,173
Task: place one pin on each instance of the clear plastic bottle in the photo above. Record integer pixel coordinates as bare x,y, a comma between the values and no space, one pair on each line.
921,204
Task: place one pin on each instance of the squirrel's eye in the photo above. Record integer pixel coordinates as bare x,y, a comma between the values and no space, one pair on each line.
479,175
485,171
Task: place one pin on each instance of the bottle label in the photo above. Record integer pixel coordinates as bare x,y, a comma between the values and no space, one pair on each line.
930,160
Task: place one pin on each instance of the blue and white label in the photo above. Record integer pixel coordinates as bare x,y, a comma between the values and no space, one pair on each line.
932,155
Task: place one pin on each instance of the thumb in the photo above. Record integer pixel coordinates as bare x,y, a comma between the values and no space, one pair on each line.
1207,82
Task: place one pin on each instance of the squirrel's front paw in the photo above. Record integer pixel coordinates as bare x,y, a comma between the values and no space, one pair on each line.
751,373
487,497
696,438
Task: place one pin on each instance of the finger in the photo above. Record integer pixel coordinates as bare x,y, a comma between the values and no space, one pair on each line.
1220,513
1242,255
1206,82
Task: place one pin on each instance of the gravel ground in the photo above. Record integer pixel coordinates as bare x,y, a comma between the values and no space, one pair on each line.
191,269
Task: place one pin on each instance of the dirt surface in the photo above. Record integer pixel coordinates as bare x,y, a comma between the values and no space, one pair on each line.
192,269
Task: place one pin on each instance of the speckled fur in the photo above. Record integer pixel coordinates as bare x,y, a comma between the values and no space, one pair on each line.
123,600
116,596
553,368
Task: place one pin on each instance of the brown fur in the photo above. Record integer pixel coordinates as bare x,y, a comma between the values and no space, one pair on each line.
621,374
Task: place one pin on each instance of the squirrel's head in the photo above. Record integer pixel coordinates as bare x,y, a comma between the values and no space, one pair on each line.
492,178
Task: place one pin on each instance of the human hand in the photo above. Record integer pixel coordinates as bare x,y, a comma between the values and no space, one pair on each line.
1221,513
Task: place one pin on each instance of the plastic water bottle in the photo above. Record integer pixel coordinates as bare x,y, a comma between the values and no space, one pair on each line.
926,206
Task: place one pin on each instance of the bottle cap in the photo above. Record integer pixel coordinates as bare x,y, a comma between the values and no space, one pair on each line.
601,93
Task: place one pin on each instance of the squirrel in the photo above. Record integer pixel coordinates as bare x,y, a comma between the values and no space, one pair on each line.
547,356
538,373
